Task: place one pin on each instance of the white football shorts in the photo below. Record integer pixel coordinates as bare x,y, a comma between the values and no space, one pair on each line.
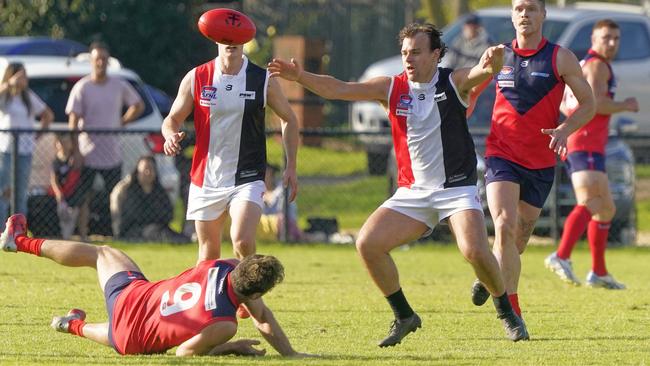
206,204
432,206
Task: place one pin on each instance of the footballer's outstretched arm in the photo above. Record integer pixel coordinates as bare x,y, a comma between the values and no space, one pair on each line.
329,87
270,328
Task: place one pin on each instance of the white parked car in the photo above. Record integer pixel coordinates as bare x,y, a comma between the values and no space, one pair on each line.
570,27
52,78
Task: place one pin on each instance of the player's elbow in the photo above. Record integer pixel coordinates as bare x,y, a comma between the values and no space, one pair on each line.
185,352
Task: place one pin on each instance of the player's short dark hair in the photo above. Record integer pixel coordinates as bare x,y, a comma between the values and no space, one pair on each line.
605,23
427,28
257,274
99,45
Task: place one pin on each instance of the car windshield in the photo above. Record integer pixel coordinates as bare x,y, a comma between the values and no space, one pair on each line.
55,93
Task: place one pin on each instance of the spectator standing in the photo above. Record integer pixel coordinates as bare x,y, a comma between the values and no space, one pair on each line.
466,50
96,102
19,107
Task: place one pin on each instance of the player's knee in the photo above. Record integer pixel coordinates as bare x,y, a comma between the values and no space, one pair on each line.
244,247
473,255
606,213
505,225
364,245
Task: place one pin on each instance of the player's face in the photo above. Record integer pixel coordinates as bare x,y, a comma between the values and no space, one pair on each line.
99,60
236,51
419,61
527,16
605,41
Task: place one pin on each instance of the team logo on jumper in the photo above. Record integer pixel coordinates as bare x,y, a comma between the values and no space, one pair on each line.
208,95
404,106
405,101
440,97
247,95
524,63
506,77
540,74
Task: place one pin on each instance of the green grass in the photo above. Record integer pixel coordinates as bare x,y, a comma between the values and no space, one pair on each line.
328,306
317,161
350,202
643,215
642,171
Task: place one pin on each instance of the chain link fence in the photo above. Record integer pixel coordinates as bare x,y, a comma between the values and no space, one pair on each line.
337,191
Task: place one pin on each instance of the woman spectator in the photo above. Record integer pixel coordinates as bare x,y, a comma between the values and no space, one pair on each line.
143,207
19,107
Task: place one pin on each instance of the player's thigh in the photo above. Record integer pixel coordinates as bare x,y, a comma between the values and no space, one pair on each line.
245,217
386,229
111,261
503,198
208,232
588,184
469,229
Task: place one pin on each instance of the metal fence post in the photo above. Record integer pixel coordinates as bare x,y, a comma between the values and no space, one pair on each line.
554,214
284,235
14,175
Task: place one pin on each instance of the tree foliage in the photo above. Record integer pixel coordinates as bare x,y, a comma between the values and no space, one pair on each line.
158,39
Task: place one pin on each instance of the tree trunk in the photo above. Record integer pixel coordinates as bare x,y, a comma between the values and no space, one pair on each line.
459,8
433,10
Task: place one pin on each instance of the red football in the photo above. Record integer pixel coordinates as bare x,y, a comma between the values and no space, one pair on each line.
226,26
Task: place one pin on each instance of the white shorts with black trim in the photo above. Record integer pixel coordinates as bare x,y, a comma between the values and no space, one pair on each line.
206,204
431,206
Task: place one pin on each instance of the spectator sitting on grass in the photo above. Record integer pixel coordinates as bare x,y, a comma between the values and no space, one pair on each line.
64,181
272,220
141,208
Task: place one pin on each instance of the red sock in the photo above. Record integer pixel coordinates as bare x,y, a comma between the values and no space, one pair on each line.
29,245
514,302
597,234
76,327
574,226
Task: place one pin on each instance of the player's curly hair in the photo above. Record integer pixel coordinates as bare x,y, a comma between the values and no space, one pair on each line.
257,274
429,29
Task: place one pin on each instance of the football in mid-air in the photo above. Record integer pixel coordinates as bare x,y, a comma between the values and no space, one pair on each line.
226,26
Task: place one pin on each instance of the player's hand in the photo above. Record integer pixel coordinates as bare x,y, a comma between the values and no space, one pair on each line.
290,179
302,355
172,144
244,347
631,104
492,59
559,139
287,70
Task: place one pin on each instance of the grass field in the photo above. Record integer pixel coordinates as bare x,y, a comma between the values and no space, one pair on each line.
328,306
